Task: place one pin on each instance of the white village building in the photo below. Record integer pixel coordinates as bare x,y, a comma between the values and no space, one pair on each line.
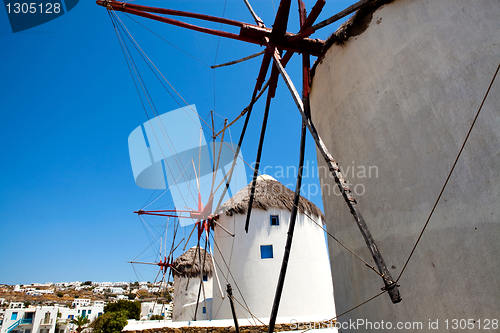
44,319
149,309
102,284
80,302
116,290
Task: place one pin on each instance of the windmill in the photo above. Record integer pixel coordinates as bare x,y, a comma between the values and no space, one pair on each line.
280,46
180,161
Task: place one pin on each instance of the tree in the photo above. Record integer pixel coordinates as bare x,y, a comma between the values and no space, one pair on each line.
132,309
87,283
115,316
111,322
80,322
156,317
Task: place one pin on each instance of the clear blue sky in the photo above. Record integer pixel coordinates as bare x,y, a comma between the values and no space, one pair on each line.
68,104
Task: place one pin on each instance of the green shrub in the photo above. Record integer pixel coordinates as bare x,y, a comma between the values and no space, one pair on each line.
111,322
132,309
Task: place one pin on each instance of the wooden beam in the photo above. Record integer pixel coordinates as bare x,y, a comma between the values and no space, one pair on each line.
230,296
248,32
342,14
390,284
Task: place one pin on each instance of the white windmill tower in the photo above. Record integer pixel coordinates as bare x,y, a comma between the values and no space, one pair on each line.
187,269
252,261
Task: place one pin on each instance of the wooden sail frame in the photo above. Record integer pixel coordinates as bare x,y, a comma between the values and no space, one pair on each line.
276,40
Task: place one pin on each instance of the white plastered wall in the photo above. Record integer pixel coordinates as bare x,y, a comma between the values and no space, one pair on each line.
308,288
401,97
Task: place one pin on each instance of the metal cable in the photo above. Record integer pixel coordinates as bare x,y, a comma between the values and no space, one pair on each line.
178,48
159,120
185,102
246,309
239,60
449,174
357,306
229,271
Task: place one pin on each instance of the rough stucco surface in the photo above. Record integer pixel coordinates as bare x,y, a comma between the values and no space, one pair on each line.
308,289
186,296
401,97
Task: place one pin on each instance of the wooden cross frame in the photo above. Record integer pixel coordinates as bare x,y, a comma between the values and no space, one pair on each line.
277,40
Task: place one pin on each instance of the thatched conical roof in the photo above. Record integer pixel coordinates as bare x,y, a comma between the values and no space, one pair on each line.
268,193
188,263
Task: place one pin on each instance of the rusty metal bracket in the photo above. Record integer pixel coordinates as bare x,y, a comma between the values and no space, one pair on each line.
248,32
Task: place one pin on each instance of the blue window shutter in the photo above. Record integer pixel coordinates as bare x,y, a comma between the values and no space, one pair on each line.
275,220
266,251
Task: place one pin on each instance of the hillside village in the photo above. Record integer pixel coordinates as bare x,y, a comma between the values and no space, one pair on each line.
64,293
54,307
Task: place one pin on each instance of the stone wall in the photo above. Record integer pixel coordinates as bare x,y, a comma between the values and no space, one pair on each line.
243,329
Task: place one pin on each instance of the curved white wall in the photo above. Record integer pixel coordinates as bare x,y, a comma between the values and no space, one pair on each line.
308,288
185,300
401,97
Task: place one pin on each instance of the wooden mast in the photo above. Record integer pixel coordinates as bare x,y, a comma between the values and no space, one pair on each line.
277,39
